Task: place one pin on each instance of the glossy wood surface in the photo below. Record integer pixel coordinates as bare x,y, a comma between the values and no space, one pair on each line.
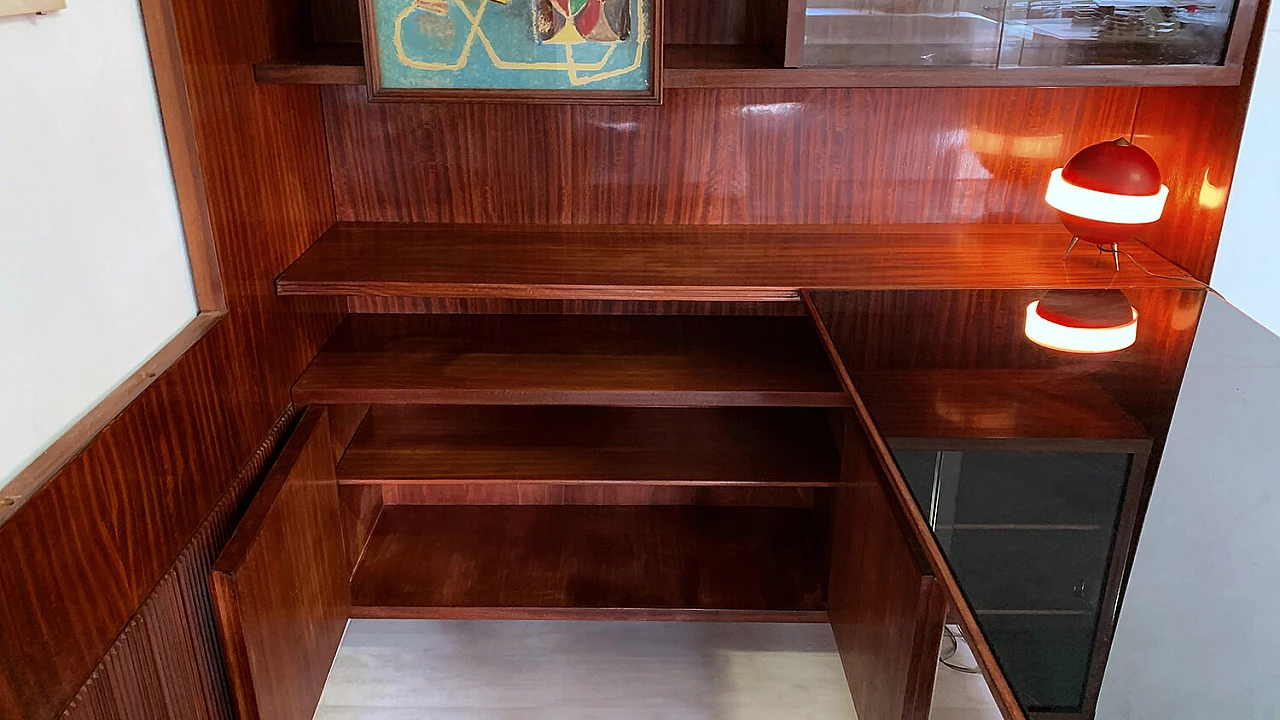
601,493
1002,404
579,360
281,586
753,66
513,306
730,263
420,445
720,157
167,664
84,552
922,544
886,610
514,561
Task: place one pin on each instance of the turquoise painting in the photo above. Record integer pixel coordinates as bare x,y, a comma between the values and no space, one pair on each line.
584,45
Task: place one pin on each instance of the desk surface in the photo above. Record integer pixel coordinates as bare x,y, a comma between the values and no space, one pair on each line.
1032,467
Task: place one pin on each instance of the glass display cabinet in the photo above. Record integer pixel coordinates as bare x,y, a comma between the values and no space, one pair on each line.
1016,33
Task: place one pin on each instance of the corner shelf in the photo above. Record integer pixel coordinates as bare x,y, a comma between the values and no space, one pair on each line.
726,263
749,66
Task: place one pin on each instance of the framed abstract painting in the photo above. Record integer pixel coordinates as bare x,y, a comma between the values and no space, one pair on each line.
559,51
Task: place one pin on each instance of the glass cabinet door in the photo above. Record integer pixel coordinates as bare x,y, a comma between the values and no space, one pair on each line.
1029,536
1014,33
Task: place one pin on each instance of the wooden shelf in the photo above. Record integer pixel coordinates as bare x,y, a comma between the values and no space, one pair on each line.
660,361
722,66
993,404
703,263
756,447
596,562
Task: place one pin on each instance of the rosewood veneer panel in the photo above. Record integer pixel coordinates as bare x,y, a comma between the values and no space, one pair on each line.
592,561
426,444
599,493
575,360
281,587
735,156
683,263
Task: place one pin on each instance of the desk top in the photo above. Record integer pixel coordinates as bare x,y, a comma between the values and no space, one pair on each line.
1031,469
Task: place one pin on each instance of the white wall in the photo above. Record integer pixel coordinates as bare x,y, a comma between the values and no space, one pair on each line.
1247,271
1199,631
94,276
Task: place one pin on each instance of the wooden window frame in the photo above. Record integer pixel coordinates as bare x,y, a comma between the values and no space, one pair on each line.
211,307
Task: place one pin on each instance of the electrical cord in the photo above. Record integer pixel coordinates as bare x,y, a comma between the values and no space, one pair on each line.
945,657
1137,264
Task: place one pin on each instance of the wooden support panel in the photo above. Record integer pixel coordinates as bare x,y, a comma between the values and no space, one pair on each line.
593,562
580,360
448,444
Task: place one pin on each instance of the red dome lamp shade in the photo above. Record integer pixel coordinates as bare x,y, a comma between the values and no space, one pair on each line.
1106,193
1083,321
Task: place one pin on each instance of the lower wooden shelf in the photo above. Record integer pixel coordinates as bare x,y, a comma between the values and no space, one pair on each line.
594,562
494,445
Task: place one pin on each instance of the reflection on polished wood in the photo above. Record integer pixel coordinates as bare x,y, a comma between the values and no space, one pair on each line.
674,361
593,562
725,157
736,263
1042,404
443,445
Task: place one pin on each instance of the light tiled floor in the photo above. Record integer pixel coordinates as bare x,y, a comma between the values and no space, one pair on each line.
480,670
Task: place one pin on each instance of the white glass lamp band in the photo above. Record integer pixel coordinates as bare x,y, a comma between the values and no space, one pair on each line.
1079,340
1104,207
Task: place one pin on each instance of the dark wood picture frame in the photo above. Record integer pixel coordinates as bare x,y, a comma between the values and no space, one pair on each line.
379,93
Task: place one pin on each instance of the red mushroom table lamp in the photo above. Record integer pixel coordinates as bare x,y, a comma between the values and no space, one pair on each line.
1106,193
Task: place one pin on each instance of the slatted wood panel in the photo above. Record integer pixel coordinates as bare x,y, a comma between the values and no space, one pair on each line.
167,664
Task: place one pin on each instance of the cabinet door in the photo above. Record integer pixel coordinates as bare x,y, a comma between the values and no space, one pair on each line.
281,587
886,609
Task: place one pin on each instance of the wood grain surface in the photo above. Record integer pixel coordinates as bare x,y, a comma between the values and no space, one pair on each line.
726,263
751,447
583,360
281,586
600,493
475,561
886,608
1003,404
853,156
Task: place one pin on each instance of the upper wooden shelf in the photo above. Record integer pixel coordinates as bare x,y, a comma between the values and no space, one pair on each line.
723,66
702,263
637,361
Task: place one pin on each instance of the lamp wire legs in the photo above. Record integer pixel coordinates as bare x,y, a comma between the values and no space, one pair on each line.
1114,250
